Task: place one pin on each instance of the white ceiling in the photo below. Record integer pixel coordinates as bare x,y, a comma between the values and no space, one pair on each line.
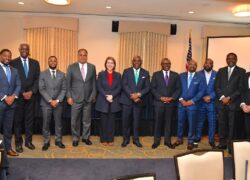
205,10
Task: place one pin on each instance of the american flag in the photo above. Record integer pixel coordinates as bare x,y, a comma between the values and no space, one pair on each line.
189,54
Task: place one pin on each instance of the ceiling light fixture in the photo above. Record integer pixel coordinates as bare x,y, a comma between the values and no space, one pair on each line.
58,2
242,10
21,3
108,7
191,12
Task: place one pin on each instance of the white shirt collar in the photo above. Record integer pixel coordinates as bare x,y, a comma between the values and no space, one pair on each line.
52,70
189,73
138,70
231,68
164,72
24,58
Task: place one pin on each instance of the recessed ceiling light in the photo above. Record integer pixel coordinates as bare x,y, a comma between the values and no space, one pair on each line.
21,3
58,2
191,12
242,10
108,7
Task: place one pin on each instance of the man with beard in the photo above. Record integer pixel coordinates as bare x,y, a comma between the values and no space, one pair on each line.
52,87
10,86
166,88
135,86
228,87
191,94
207,104
29,71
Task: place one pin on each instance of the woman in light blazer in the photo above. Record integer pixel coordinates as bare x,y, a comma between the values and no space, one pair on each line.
109,88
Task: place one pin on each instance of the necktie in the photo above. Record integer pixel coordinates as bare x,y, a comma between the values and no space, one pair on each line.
190,79
83,73
136,76
229,73
53,74
8,73
25,67
166,79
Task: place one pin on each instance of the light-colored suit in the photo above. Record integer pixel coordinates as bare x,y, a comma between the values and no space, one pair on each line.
52,89
83,93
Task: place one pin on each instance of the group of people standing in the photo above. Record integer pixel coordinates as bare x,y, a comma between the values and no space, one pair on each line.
198,96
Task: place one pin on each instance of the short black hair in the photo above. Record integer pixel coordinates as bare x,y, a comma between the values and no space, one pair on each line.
5,50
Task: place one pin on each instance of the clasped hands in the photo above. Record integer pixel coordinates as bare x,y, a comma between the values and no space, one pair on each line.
245,108
54,103
166,99
109,98
186,103
9,100
225,100
27,95
136,97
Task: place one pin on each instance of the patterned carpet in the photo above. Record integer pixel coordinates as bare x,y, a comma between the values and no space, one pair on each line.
98,151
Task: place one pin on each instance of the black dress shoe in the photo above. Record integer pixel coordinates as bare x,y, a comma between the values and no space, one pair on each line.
60,144
87,141
171,146
155,145
75,143
222,146
45,147
212,144
19,148
124,143
137,143
30,145
196,143
190,146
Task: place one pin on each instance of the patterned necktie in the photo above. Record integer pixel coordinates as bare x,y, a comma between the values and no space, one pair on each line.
8,73
82,72
53,74
166,78
136,76
190,79
25,67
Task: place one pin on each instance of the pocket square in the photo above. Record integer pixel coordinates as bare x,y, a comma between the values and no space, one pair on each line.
143,77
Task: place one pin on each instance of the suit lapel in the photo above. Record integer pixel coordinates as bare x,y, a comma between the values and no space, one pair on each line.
88,72
140,77
233,73
20,64
3,73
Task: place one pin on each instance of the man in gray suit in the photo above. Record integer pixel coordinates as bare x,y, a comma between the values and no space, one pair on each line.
52,87
81,93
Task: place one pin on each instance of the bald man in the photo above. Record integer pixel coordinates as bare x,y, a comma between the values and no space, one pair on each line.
191,94
166,89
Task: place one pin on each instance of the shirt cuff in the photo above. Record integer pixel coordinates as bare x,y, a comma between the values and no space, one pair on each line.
242,104
4,97
180,99
221,97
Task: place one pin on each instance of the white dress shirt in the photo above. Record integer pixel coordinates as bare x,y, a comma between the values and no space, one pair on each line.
164,73
85,68
208,75
51,72
228,69
138,71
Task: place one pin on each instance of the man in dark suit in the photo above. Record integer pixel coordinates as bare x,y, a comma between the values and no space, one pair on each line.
207,104
10,86
228,86
166,88
52,87
245,103
191,94
135,86
81,93
29,71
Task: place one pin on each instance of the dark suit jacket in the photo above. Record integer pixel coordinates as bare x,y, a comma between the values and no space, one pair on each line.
245,96
195,91
209,90
9,89
159,88
78,89
30,83
129,86
231,88
52,89
104,89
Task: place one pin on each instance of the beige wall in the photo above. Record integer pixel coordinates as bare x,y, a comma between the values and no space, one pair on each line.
95,35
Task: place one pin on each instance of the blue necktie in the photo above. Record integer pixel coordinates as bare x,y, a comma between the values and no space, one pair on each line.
8,73
25,67
136,76
190,79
